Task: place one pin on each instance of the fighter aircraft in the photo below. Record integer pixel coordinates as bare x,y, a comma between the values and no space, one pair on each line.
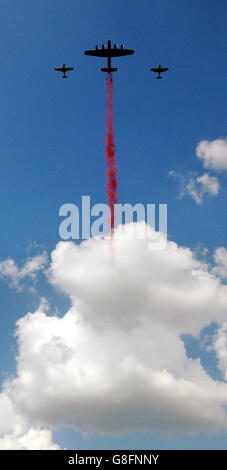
109,52
159,70
63,69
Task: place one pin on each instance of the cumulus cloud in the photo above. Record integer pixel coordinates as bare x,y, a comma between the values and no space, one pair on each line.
116,362
220,258
34,439
196,186
213,153
16,277
209,184
15,432
219,345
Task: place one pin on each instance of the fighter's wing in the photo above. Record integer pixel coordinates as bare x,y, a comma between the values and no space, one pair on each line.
164,69
68,68
59,69
156,70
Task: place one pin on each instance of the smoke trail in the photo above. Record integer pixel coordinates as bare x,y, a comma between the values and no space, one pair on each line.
111,185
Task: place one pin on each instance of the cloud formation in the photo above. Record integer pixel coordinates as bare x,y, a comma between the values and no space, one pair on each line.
196,186
213,154
219,345
115,362
17,433
16,277
220,258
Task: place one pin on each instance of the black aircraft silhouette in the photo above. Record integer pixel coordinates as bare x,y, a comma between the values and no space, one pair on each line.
63,69
109,52
159,70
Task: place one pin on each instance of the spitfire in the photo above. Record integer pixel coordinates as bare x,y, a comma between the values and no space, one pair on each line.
63,69
159,70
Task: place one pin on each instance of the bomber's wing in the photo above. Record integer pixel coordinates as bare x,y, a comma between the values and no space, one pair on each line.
96,52
114,52
121,52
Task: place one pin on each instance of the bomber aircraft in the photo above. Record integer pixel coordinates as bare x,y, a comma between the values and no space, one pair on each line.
109,52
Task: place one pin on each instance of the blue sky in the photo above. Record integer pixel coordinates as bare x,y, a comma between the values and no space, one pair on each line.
52,140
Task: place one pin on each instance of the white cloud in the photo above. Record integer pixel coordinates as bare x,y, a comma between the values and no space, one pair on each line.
15,276
112,382
219,345
209,184
139,284
115,362
196,186
220,257
34,439
213,153
15,433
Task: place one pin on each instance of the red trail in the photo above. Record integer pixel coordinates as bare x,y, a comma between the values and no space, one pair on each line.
111,185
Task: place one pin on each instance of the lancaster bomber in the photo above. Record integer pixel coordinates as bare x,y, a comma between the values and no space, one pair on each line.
109,52
159,70
63,69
